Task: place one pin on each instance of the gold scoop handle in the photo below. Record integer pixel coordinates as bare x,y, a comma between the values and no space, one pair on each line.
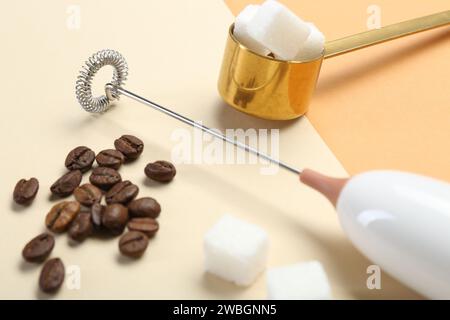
391,32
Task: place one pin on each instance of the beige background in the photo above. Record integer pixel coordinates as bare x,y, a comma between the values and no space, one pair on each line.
387,106
174,54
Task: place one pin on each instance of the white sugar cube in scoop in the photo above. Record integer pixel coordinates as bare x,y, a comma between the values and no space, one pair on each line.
302,281
276,28
313,46
235,250
241,29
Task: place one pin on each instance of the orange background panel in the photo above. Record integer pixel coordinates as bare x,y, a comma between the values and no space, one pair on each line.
388,106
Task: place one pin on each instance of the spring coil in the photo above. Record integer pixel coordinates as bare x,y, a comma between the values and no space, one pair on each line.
83,87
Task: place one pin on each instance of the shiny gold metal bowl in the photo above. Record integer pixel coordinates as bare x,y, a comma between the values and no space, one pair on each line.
265,87
282,90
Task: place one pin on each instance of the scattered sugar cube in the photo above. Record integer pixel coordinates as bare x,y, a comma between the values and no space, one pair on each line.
313,46
301,281
241,29
235,250
279,30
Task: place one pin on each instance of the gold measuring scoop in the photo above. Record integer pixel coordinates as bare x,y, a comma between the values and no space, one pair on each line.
281,90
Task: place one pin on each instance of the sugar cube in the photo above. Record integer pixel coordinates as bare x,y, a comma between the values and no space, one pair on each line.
313,46
241,29
235,250
301,281
278,29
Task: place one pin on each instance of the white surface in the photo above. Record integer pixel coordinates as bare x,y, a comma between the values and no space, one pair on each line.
236,250
301,281
278,29
241,29
402,222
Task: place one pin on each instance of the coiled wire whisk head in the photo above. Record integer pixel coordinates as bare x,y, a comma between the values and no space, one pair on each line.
83,86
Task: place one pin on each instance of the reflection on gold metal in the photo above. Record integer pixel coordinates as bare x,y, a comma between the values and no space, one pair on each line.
263,86
281,90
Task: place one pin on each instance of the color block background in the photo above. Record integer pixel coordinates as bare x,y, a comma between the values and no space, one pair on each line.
174,59
387,106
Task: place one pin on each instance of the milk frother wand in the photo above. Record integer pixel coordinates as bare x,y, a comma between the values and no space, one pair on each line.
100,104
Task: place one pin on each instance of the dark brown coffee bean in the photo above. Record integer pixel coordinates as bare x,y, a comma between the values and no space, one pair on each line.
39,248
110,158
96,215
80,158
123,192
162,171
65,185
144,207
81,227
104,178
130,146
25,191
115,218
61,216
148,226
133,244
88,194
52,275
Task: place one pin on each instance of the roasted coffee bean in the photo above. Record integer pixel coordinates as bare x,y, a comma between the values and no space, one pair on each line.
115,218
162,171
148,226
123,192
25,191
80,158
52,275
110,158
133,244
88,194
61,216
81,227
144,207
130,146
65,185
96,215
104,178
39,248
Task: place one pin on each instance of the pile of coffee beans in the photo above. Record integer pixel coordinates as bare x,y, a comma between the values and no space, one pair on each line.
107,205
